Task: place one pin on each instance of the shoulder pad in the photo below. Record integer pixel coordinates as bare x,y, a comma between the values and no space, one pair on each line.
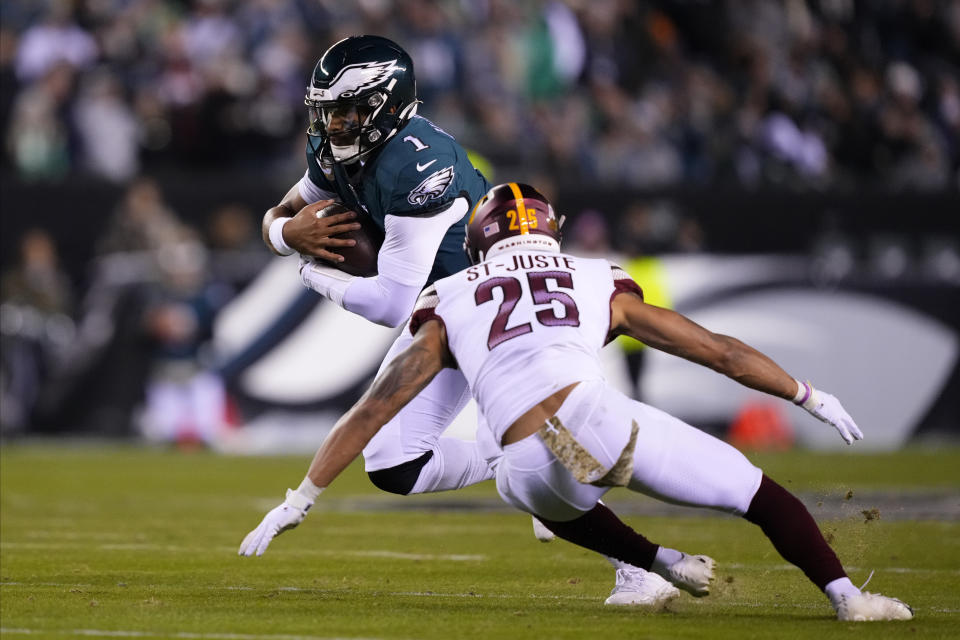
428,299
425,309
623,283
618,272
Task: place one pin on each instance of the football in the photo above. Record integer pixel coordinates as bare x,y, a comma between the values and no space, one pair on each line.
360,259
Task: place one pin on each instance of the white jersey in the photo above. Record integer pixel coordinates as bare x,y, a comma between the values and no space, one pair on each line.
524,325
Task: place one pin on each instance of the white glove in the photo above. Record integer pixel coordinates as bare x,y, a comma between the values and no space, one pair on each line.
289,514
827,408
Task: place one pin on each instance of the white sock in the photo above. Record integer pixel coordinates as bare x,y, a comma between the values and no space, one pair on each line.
838,588
455,464
664,558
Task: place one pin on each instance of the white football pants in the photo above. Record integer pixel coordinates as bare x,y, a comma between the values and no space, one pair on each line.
417,428
672,461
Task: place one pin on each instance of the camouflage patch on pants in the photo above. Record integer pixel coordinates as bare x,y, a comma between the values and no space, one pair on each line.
580,463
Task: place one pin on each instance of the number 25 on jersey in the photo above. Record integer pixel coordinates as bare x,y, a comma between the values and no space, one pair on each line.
542,295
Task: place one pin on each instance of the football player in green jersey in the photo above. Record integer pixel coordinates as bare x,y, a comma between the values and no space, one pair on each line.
368,149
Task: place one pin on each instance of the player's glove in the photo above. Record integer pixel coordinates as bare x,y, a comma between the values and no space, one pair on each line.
288,515
827,408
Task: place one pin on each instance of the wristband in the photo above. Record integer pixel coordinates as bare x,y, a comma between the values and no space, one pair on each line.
304,496
804,391
308,489
276,236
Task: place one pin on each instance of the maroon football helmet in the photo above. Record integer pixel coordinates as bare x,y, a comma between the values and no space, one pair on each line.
511,215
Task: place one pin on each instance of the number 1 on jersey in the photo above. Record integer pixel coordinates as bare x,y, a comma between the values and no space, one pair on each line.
416,142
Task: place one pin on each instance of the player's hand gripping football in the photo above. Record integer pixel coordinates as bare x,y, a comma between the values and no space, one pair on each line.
287,515
311,235
827,408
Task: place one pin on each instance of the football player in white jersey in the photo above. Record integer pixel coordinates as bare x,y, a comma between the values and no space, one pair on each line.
524,325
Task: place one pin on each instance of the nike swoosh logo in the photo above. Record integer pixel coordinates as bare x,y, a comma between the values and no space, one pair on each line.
421,167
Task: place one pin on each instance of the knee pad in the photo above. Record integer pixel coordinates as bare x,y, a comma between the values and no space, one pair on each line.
401,478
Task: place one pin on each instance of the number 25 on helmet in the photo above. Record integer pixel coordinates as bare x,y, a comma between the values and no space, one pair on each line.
511,216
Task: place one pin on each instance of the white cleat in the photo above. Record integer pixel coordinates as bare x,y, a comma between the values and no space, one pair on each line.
872,606
693,574
639,588
541,532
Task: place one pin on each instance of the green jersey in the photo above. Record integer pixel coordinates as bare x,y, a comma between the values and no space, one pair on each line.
417,172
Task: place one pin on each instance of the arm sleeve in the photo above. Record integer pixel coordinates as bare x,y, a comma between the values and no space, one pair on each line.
403,266
411,242
310,192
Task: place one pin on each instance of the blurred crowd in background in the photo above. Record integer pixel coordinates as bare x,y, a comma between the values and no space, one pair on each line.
802,95
130,349
812,93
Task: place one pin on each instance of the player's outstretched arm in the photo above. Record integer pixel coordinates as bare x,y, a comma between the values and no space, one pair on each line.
400,382
293,226
676,334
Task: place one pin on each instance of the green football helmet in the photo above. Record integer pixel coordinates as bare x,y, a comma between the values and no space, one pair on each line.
362,92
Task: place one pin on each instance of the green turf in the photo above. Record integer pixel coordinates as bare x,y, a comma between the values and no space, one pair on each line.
142,543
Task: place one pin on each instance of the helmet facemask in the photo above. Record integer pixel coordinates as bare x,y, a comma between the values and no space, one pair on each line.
347,127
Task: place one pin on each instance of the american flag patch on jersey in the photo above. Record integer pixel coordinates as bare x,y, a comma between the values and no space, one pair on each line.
491,229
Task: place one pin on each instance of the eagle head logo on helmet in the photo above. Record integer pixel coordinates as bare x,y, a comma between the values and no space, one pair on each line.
510,217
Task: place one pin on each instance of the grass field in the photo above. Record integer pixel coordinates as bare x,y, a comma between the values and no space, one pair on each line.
107,541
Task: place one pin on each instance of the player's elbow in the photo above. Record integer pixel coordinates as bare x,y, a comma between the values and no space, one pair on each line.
396,312
381,300
385,310
392,318
397,318
367,418
729,357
